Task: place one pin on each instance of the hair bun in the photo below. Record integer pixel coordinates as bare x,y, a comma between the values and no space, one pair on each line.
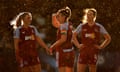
66,11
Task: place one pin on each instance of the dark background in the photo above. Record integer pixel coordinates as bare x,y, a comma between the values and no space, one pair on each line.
108,15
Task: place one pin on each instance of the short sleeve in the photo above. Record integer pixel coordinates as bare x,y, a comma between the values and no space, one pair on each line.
36,31
64,28
16,33
78,29
103,30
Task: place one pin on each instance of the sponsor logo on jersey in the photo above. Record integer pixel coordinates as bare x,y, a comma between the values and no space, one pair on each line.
90,35
31,37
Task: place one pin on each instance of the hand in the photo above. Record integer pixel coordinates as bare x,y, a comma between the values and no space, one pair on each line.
19,61
98,47
51,51
47,50
81,46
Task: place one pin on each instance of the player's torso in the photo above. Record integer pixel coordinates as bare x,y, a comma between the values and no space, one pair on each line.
27,34
90,34
67,44
27,44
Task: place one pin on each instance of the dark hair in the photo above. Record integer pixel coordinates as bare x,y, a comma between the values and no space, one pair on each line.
66,12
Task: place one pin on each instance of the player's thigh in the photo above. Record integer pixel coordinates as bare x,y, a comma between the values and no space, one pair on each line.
61,69
25,69
92,68
36,68
69,69
81,67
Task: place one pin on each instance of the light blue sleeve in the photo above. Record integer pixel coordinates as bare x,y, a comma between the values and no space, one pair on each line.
78,29
16,33
64,27
103,30
36,31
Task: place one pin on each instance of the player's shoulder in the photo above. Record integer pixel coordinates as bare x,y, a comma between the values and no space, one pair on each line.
82,24
64,26
98,24
32,26
18,28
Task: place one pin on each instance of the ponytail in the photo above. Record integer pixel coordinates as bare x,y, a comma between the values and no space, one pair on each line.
18,21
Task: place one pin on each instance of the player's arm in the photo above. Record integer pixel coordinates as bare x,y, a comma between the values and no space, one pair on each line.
16,42
107,38
74,39
63,32
41,42
55,22
60,41
106,41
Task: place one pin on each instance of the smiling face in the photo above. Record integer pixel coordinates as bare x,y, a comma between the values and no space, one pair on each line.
90,15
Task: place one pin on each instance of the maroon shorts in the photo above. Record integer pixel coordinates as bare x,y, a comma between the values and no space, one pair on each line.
29,62
65,58
33,68
88,55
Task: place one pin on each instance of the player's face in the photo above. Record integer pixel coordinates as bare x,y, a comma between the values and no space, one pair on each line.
27,19
61,18
90,16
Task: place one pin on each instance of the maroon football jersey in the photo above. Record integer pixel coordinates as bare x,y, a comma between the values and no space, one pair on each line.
65,52
68,43
27,46
90,35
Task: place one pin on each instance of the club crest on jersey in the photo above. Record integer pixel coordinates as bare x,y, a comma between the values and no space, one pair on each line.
96,30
